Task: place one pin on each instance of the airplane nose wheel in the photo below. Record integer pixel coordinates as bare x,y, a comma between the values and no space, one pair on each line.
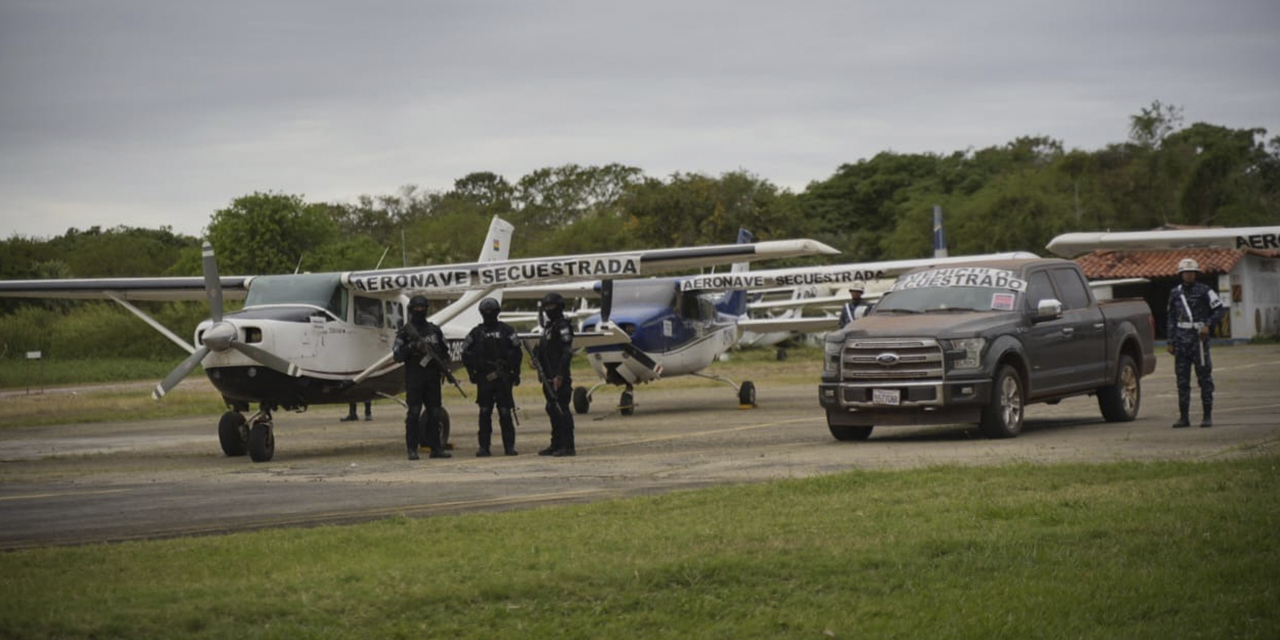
581,400
233,434
627,403
262,438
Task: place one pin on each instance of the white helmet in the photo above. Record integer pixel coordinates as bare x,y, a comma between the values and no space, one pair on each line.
1188,264
858,286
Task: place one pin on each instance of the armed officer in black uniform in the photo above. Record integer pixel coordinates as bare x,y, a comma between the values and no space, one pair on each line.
492,356
420,345
1194,307
553,355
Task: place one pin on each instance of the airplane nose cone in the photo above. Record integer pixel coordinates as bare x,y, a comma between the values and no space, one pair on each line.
219,336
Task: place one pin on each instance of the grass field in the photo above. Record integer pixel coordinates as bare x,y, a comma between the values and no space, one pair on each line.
1164,550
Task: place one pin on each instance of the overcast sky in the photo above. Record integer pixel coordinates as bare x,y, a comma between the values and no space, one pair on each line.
153,112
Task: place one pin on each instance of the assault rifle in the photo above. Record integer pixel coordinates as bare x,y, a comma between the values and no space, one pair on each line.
547,386
429,353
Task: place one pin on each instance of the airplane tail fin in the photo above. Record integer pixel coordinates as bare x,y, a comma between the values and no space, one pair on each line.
939,240
735,302
497,246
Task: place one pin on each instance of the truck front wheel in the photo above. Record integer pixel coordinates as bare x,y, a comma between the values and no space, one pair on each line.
1002,418
1119,402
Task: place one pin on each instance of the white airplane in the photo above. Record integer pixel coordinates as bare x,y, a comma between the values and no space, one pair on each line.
1070,245
325,338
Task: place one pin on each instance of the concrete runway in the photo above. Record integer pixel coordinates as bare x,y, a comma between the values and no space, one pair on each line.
115,481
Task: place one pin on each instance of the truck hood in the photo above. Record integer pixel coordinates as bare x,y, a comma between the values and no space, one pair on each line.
939,325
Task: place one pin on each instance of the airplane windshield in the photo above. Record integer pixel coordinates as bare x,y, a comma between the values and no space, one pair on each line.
656,292
318,289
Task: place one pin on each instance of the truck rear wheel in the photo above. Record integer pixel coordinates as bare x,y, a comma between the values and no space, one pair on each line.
1120,402
1002,418
846,433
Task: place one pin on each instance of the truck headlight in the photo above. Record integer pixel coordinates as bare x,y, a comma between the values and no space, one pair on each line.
972,352
831,356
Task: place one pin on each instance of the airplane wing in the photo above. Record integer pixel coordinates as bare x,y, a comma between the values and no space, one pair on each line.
440,279
792,303
832,275
193,288
444,279
801,324
1070,245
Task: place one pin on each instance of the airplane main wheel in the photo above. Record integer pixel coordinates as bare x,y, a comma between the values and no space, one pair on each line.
581,401
233,434
262,441
627,403
747,394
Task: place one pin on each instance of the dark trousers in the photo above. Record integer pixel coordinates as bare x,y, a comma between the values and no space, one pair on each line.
423,427
561,415
488,394
1186,353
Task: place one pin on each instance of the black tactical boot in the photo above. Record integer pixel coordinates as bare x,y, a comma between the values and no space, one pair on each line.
483,452
561,453
413,453
1183,421
511,451
549,451
440,454
1208,418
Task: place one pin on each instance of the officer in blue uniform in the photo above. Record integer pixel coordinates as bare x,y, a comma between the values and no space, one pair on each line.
1194,308
856,307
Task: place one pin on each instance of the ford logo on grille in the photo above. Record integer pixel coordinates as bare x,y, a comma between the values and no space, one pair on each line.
887,359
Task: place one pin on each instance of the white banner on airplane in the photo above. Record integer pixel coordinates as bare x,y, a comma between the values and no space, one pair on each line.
778,278
496,273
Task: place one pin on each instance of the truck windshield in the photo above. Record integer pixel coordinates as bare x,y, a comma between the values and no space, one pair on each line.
954,289
940,299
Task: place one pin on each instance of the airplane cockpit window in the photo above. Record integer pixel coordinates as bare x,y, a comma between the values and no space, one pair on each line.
655,292
368,311
697,306
322,290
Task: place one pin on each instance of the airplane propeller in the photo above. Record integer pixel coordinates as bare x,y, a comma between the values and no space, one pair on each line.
219,337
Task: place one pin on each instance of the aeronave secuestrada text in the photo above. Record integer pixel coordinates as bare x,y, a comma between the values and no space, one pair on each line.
733,281
482,275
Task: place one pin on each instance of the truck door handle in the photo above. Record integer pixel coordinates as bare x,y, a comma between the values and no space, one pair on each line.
1068,331
1099,325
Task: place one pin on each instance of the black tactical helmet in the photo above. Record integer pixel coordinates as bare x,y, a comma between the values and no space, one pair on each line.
489,308
552,302
418,301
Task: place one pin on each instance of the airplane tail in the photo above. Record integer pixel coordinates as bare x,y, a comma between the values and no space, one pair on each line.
939,240
497,246
735,302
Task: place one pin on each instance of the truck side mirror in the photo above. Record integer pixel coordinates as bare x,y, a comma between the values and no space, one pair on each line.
1048,309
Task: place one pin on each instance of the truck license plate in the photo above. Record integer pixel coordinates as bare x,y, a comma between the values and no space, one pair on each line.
886,396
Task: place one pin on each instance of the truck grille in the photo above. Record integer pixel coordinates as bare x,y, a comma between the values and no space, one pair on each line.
891,359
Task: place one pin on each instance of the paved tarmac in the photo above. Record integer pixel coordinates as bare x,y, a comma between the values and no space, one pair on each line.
113,481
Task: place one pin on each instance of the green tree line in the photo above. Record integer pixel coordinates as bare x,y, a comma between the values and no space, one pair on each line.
1016,196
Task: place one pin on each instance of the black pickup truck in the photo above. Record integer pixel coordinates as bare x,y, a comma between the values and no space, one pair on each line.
978,342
